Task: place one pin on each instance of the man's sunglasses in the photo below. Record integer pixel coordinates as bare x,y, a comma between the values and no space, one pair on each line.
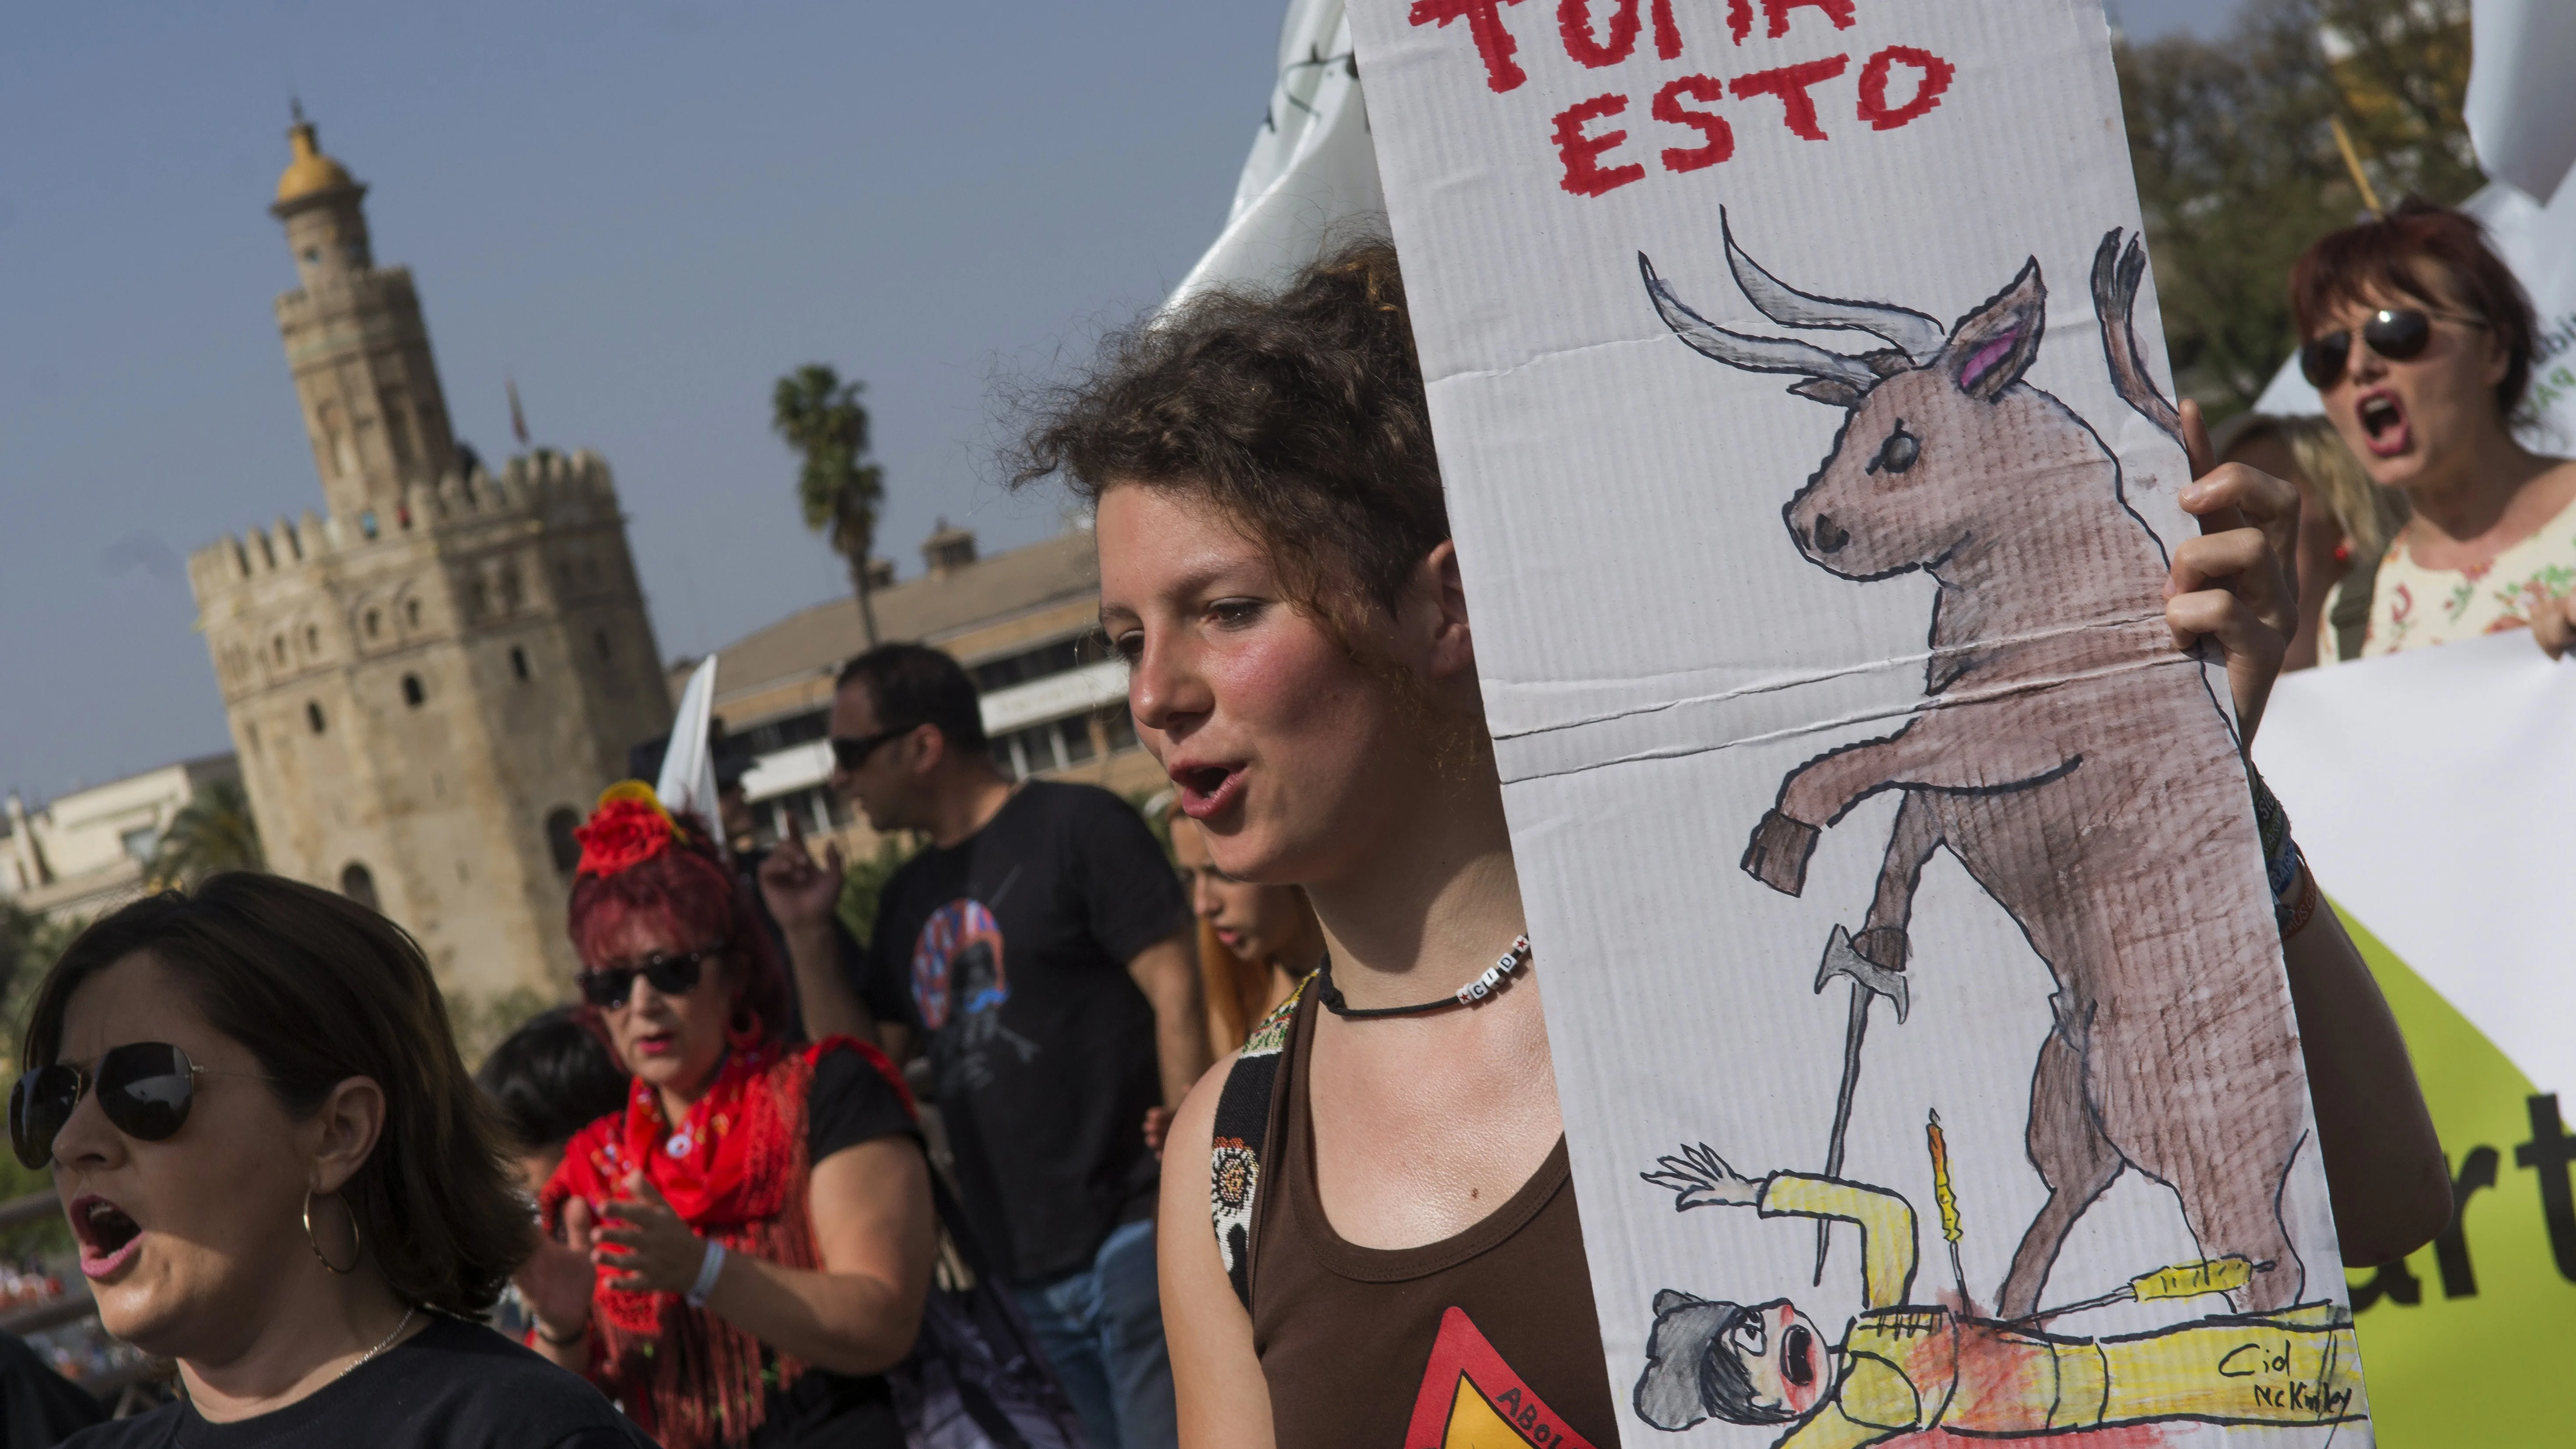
609,987
2396,333
144,1087
850,753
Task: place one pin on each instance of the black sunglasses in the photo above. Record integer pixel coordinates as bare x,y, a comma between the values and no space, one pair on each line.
609,987
2396,333
850,753
144,1087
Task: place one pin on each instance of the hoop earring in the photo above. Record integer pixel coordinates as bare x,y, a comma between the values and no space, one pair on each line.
744,1030
357,1238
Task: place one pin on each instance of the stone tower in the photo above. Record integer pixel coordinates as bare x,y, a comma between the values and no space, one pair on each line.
429,684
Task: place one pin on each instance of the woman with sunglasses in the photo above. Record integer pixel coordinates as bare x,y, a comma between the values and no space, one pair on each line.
280,1176
1393,1190
745,1248
2420,341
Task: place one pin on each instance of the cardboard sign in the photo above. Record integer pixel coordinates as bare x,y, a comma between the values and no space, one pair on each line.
1926,1058
2419,778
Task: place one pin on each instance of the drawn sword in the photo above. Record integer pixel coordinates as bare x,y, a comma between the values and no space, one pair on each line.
1868,979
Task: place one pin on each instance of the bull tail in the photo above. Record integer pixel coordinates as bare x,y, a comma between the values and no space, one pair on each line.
2116,274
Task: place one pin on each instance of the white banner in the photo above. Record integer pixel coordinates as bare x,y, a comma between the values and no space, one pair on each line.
1887,867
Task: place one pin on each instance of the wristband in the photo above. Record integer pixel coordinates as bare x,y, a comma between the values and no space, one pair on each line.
2296,915
707,1271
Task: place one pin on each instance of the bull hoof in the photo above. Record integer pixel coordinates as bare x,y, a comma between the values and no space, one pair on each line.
1884,947
1777,854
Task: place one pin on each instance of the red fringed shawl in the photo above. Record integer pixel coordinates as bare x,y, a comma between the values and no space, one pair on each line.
736,1171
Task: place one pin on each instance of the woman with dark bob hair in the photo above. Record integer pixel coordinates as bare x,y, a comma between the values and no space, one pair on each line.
1276,568
2421,342
746,1245
280,1175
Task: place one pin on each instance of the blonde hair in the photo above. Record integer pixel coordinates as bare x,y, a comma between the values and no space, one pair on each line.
2368,514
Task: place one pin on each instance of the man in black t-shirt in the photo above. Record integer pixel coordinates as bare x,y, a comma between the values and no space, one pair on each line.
1039,954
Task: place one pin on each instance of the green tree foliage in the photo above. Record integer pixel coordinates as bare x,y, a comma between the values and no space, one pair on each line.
820,418
29,946
213,831
865,880
2238,168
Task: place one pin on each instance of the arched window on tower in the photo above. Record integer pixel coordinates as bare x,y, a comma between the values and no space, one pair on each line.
600,641
277,646
359,884
411,612
375,623
312,638
412,692
519,662
560,824
313,715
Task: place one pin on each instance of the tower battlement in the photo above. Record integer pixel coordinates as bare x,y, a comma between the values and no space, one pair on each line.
548,488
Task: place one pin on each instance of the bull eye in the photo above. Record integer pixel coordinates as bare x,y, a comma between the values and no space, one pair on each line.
1899,451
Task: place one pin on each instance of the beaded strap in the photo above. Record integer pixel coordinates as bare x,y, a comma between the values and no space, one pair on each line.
2285,869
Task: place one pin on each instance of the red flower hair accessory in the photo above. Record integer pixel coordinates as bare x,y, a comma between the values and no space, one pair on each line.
628,828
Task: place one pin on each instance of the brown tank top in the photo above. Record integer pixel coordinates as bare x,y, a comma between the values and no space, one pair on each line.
1485,1339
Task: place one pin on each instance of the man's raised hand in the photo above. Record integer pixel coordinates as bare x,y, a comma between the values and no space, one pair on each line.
801,893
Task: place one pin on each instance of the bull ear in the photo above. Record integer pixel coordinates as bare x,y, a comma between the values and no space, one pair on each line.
1995,344
1840,391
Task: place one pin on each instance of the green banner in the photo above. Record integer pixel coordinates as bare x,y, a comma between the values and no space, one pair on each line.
2471,1341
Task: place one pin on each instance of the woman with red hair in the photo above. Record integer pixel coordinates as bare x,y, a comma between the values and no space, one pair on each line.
2421,343
742,1252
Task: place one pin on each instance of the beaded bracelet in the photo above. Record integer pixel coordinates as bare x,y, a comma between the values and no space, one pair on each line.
2294,890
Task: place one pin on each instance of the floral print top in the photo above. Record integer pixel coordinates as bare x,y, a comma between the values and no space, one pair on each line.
2412,606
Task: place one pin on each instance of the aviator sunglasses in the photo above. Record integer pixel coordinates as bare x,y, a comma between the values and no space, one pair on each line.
144,1087
609,987
2399,334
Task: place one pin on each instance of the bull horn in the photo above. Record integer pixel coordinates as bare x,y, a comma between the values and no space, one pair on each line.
1918,336
1753,354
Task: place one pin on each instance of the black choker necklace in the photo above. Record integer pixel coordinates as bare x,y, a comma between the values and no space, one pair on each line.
1495,978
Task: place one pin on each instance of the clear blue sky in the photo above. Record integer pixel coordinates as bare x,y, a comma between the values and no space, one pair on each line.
643,211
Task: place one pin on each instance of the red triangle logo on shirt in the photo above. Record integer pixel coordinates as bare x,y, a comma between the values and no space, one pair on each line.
1471,1399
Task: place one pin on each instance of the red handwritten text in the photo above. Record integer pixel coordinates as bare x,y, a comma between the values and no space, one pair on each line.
1790,83
1574,22
1584,173
1485,23
1927,91
1668,107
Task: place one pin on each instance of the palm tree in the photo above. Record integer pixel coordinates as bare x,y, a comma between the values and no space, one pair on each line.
213,831
820,417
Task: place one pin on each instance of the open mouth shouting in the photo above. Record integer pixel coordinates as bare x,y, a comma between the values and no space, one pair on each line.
1206,790
109,1239
2383,422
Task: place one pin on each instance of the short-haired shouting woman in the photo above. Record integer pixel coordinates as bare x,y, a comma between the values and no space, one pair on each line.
2421,343
1275,564
747,1246
280,1175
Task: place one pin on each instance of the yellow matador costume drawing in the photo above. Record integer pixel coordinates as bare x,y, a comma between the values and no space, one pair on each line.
1903,1367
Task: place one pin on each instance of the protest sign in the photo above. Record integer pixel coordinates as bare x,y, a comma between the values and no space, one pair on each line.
2428,787
1890,868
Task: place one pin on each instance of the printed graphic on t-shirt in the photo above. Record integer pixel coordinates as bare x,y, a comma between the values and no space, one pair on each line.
1471,1399
958,977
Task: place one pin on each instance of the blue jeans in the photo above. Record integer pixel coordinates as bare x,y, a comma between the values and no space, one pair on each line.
1102,1328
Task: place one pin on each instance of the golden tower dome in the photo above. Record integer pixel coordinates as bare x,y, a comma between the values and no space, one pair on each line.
309,171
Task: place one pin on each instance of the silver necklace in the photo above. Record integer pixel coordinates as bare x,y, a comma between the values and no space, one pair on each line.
369,1356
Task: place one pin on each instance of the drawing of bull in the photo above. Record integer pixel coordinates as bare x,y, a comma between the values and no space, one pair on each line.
2065,753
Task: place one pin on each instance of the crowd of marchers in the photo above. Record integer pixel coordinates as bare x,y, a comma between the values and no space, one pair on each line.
1091,1143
